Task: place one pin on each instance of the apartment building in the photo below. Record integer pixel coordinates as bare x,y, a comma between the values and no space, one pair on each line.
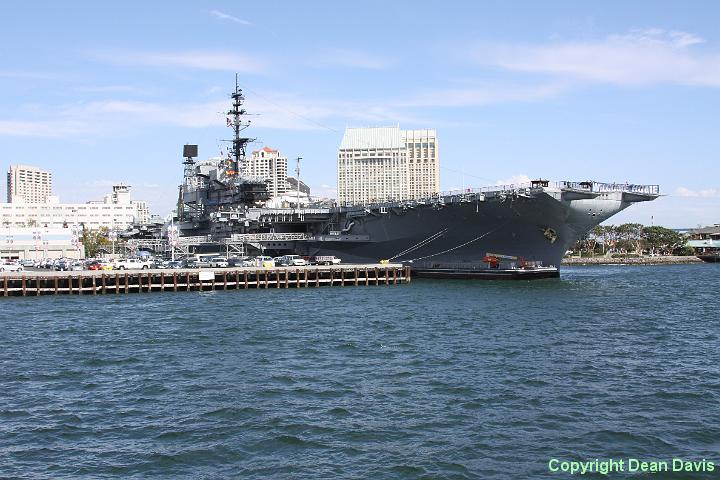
27,184
270,165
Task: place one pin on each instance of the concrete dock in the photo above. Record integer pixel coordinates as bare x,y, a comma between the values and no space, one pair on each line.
660,260
43,282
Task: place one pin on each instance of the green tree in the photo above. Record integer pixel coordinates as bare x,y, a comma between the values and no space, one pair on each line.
94,240
663,240
602,235
630,236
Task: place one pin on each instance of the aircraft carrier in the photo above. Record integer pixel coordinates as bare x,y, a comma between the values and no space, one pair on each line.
515,231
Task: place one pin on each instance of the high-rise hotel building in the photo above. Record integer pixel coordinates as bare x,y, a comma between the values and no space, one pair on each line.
26,184
270,165
377,164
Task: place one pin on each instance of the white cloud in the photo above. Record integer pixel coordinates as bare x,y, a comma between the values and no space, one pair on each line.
196,115
32,75
639,57
203,60
686,192
324,191
225,16
482,95
108,89
297,112
336,57
514,180
57,128
112,117
104,183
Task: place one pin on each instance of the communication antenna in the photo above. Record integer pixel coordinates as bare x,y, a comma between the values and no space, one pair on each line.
297,177
235,120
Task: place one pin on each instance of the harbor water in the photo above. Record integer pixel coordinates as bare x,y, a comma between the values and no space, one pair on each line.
435,379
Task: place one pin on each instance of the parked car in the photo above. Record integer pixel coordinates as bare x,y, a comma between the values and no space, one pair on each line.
295,261
219,262
190,263
263,261
281,261
93,265
327,260
76,267
61,265
241,262
10,267
27,263
175,264
131,263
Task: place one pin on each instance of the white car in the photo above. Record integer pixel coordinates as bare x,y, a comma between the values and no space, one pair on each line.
295,260
220,262
327,260
130,264
11,267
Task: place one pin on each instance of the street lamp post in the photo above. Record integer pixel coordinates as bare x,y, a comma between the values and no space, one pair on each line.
113,236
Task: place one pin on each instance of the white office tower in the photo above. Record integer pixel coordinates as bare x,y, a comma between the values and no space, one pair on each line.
423,163
377,164
26,184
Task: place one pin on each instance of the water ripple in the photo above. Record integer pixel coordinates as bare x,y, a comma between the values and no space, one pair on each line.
462,380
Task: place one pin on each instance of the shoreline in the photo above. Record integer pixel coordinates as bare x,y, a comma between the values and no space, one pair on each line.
664,260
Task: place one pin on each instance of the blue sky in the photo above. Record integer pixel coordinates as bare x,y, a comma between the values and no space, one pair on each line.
611,91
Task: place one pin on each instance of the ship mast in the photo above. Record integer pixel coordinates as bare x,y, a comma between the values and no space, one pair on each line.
239,143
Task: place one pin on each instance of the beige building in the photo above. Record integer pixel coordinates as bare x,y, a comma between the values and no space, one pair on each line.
270,165
423,164
115,211
377,164
26,184
35,243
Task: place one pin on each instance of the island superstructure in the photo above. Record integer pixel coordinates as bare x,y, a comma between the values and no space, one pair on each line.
485,232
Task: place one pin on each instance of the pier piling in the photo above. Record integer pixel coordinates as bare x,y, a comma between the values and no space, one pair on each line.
81,283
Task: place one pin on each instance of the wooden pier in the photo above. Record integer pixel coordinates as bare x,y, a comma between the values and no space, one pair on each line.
37,283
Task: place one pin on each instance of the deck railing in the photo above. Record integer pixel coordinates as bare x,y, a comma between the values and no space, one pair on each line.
591,186
612,187
265,237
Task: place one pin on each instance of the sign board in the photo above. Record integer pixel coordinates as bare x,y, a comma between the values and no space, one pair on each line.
205,275
173,235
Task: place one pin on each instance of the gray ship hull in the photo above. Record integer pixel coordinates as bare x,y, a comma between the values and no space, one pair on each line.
515,231
509,232
525,230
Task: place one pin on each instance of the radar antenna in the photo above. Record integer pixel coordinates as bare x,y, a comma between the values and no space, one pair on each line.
235,120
